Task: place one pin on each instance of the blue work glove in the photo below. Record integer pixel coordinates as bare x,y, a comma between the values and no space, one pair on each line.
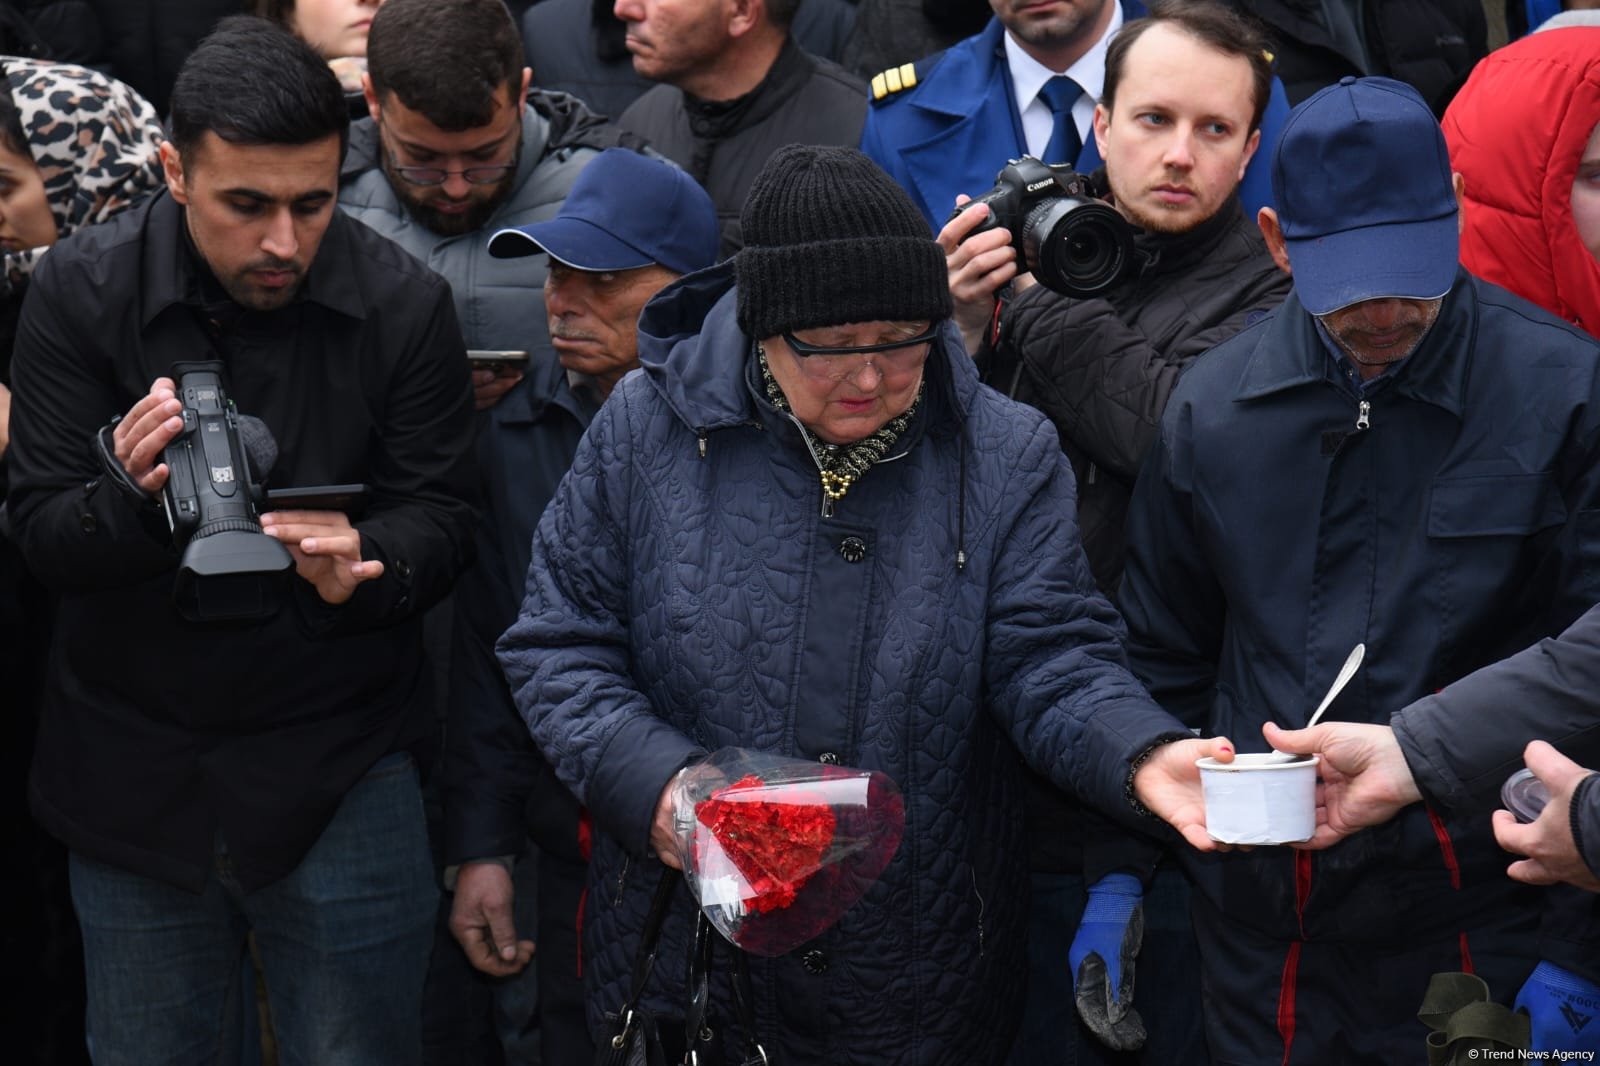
1102,956
1564,1010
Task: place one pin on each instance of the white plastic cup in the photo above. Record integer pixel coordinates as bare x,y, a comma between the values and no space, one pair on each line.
1260,799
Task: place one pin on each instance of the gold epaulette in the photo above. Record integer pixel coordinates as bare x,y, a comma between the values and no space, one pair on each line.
894,80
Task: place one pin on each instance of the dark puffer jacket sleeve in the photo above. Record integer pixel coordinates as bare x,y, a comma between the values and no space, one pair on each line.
567,655
1058,679
1549,692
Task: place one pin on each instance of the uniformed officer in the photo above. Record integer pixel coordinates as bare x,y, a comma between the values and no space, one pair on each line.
947,124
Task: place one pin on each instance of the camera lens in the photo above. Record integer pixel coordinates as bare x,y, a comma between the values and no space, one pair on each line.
1077,247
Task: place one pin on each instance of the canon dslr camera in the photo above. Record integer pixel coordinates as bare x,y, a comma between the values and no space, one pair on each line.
1072,241
230,570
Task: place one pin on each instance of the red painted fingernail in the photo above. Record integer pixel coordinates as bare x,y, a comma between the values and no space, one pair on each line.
1227,749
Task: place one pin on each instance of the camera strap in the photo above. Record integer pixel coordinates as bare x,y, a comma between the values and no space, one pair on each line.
103,448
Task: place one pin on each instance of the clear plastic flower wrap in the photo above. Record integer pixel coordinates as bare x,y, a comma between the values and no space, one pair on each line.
777,849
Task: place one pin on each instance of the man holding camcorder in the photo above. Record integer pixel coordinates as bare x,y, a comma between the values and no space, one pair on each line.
1104,315
225,740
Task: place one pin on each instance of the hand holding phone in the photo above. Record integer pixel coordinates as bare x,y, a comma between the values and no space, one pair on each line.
495,358
494,373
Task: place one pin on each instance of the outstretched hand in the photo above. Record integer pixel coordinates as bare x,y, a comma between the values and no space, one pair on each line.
1363,780
1169,784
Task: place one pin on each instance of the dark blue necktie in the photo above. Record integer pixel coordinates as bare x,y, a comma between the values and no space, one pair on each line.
1060,93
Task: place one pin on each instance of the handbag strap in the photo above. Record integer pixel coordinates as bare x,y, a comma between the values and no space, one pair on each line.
705,940
644,960
744,999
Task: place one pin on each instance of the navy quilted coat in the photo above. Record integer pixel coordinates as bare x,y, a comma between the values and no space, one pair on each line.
686,593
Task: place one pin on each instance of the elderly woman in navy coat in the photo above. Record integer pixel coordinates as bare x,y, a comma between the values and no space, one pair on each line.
804,527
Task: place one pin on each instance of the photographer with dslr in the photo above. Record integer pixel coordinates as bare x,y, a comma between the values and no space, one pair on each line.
1177,124
226,737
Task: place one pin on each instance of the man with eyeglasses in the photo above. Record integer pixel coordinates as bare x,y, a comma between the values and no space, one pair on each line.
457,148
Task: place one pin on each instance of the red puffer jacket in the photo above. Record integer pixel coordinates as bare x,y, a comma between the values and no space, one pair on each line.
1516,132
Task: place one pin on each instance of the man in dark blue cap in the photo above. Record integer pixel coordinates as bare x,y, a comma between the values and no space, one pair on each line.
1402,456
629,226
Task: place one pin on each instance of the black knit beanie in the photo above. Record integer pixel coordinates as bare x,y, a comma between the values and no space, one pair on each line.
829,238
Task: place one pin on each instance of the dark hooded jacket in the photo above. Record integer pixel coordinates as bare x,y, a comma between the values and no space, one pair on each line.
687,594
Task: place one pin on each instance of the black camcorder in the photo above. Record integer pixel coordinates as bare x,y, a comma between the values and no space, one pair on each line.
1073,242
230,570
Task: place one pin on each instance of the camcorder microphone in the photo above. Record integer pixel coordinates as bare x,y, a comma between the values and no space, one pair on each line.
230,570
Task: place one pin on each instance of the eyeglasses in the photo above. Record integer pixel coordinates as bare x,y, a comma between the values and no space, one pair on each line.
485,175
835,364
438,175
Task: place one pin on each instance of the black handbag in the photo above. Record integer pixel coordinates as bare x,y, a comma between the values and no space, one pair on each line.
632,1036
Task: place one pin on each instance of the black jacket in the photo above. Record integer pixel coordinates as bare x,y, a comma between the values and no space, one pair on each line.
723,146
158,733
148,40
570,53
1432,45
1102,369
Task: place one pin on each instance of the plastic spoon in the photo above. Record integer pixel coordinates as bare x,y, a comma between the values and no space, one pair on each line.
1346,672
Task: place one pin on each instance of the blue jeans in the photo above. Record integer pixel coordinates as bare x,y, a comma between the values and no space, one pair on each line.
343,940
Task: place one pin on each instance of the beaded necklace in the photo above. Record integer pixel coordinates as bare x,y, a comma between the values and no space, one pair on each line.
840,464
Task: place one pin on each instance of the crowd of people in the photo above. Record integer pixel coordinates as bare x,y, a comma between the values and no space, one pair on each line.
428,427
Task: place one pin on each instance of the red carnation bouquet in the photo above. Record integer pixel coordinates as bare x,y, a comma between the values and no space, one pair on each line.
777,849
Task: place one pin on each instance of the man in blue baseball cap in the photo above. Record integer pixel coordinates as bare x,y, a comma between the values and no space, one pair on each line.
629,226
1401,456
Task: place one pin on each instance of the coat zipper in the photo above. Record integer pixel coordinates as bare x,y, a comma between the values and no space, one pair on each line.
1364,416
981,908
622,879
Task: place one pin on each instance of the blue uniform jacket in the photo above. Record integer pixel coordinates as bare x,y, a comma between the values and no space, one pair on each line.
1447,516
686,593
955,130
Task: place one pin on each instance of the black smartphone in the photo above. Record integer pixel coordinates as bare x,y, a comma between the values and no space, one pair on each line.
494,359
351,499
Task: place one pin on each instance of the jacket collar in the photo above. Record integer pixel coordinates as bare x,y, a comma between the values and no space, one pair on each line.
958,91
716,119
171,272
1168,253
543,386
952,92
1289,353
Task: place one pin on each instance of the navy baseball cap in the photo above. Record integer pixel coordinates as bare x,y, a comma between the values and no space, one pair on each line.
1364,197
625,210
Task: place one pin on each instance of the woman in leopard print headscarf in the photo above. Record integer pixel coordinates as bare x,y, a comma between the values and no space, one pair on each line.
75,149
93,141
